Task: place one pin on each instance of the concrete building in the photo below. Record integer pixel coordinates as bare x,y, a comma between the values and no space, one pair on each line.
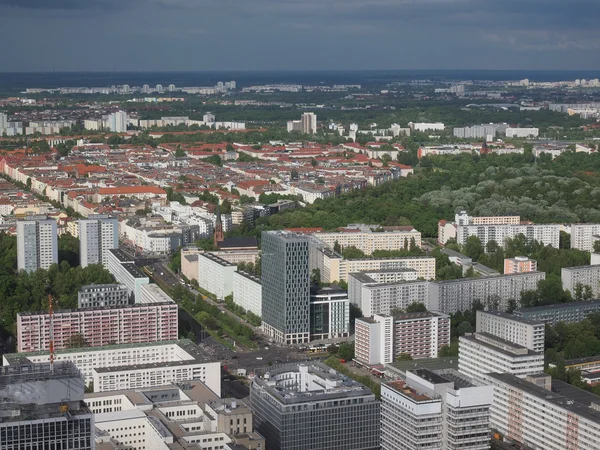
172,417
528,333
97,234
522,132
96,327
369,241
285,287
547,234
450,296
329,313
123,268
541,413
581,276
215,275
311,406
519,264
563,312
43,408
37,244
151,293
116,122
475,132
173,361
247,292
101,295
435,410
583,236
308,123
438,126
420,335
482,353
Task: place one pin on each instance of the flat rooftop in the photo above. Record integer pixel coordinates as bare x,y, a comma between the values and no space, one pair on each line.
499,345
216,259
121,256
484,278
97,308
133,270
447,362
559,306
403,389
577,361
511,317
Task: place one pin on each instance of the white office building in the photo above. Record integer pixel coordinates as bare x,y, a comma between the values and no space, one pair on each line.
583,236
215,275
152,364
329,313
247,292
37,243
548,234
126,272
541,413
578,277
97,234
441,410
495,292
528,333
483,353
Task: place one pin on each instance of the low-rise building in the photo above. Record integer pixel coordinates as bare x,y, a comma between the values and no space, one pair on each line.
528,333
562,312
329,313
100,295
215,275
482,353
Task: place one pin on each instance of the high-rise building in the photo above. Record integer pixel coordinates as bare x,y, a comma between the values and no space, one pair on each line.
145,89
311,406
125,271
561,312
329,312
37,244
583,235
528,333
171,88
159,88
3,121
97,234
117,122
308,123
43,408
574,278
285,287
440,410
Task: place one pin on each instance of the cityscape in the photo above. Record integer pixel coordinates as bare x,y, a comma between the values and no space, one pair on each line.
299,225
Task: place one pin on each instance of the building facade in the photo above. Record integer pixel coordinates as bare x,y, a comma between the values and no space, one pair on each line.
285,287
96,327
519,264
583,235
562,312
310,406
101,295
528,333
369,241
247,292
547,234
37,243
329,313
97,234
123,268
215,275
574,278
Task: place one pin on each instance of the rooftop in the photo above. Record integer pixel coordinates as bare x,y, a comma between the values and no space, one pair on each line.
120,254
499,345
216,259
511,317
239,242
402,388
558,306
578,361
449,362
96,308
495,277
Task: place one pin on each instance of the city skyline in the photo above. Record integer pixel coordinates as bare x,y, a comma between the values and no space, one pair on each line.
292,35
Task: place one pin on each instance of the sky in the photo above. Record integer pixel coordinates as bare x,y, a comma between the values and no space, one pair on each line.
199,35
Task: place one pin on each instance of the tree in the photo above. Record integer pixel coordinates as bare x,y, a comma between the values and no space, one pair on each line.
315,276
314,162
464,328
179,152
346,350
416,307
597,246
337,247
77,341
404,357
473,248
294,174
29,183
352,252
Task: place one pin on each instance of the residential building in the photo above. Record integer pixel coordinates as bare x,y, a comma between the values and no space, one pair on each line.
308,123
547,234
311,406
420,335
541,413
519,264
96,327
37,244
123,268
574,278
97,234
450,296
482,353
189,263
100,295
165,362
285,287
247,292
369,241
435,410
589,368
426,126
329,312
43,408
176,416
563,312
528,333
522,132
381,298
151,293
476,132
215,275
583,235
116,122
446,231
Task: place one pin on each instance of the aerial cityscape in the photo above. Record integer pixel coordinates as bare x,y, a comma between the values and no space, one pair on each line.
299,225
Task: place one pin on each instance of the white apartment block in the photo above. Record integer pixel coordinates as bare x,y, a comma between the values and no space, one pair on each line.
482,353
544,414
215,275
524,332
437,126
382,298
581,275
37,243
441,410
446,231
176,360
420,335
462,218
126,272
450,296
97,234
522,132
583,236
370,241
151,293
548,234
424,265
247,292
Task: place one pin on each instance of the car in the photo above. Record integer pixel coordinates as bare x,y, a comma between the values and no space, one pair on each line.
259,358
234,357
266,348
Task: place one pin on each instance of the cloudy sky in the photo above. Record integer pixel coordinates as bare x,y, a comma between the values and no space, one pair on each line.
72,35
